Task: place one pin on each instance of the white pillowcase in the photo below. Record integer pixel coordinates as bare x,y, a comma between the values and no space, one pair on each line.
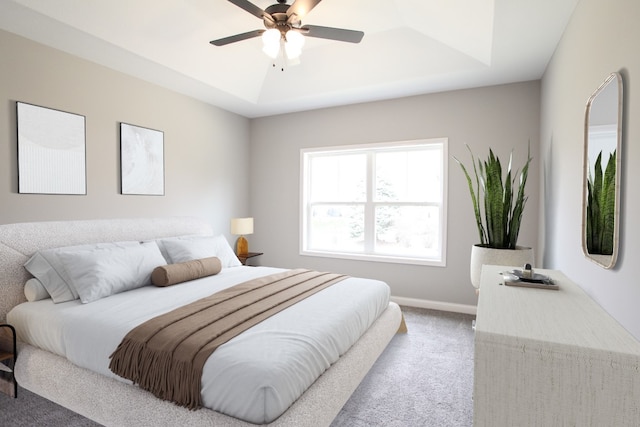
163,250
102,272
45,265
189,248
34,290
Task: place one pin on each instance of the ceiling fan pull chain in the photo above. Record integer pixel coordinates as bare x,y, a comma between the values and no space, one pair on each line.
274,66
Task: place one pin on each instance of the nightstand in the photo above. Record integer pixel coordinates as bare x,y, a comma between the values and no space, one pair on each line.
243,258
8,384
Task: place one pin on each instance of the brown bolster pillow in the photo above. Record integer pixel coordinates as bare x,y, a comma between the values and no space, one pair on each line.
167,275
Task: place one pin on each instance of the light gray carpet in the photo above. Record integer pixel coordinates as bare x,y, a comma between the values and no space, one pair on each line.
31,410
424,378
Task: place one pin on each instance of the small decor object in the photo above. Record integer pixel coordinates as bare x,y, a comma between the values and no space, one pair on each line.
142,160
498,205
527,278
242,227
51,151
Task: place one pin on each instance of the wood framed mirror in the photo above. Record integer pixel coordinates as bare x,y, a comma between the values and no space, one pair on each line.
601,169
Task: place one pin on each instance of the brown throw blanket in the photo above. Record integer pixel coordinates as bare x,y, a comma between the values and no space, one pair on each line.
166,354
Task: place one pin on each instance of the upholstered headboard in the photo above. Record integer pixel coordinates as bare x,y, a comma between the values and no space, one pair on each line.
18,242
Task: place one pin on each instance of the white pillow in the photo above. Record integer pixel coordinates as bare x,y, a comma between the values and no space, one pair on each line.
163,250
35,291
188,249
107,271
45,266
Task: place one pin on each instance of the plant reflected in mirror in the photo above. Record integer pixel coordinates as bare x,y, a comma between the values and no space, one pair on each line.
601,205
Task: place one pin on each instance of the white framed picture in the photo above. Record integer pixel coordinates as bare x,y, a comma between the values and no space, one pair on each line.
51,151
141,160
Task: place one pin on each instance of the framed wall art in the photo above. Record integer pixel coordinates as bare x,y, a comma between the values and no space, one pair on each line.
141,160
51,151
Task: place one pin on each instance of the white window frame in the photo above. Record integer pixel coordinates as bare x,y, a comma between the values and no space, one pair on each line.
305,153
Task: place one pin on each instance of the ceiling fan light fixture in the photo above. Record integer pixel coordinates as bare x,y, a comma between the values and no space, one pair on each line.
293,45
271,42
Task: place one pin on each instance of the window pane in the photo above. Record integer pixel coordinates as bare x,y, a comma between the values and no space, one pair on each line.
409,176
376,202
407,230
338,228
339,178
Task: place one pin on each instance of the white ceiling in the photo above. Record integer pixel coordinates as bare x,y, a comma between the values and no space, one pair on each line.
410,47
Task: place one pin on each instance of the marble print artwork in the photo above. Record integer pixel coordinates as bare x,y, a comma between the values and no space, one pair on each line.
142,154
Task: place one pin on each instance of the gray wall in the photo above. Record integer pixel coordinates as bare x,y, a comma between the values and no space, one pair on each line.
206,149
602,37
502,117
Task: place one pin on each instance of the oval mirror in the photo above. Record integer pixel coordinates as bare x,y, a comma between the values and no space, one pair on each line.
601,198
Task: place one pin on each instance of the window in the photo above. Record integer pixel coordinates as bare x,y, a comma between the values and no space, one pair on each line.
378,202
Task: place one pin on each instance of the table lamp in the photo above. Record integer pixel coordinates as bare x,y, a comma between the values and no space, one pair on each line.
242,227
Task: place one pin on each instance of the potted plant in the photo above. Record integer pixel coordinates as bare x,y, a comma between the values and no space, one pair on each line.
498,205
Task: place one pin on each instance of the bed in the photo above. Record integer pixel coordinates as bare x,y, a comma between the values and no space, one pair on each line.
85,385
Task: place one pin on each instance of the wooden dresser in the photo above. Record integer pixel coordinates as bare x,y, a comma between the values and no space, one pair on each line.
551,358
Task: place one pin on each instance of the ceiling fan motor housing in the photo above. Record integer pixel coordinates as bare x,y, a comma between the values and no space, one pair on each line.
276,17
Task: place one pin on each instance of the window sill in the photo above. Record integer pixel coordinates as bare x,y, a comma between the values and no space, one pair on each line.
377,258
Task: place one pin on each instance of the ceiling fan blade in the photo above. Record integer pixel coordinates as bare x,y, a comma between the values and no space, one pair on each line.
249,7
302,7
331,33
237,38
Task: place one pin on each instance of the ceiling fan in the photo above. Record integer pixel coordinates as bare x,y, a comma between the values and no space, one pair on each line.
285,18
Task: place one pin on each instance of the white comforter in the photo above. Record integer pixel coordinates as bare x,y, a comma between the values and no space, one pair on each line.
254,377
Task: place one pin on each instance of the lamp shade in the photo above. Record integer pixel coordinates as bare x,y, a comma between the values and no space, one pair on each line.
242,226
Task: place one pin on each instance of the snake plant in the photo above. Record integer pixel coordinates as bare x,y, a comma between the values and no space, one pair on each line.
498,203
601,205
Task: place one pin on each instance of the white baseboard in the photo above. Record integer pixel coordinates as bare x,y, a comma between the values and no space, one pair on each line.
435,305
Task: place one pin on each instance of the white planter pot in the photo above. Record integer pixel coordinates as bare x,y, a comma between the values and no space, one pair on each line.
510,257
